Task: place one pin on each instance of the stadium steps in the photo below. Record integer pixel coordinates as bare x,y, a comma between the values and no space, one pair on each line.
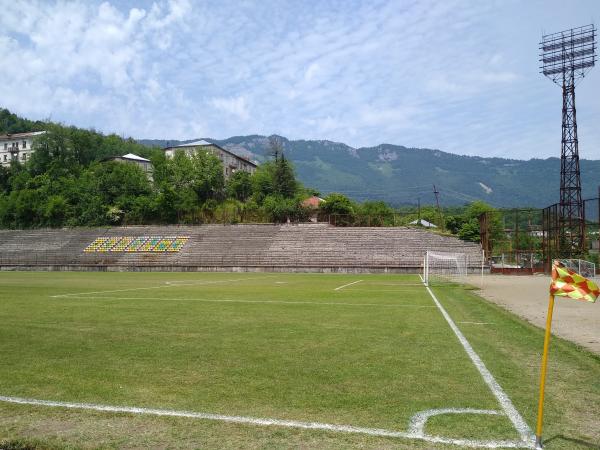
242,246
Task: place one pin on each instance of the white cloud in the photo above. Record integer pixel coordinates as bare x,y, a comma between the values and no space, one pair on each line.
455,75
88,64
235,106
396,117
311,71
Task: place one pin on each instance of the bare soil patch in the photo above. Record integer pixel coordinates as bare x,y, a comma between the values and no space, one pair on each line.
527,296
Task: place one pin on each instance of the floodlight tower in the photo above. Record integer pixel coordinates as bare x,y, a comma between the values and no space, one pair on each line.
565,58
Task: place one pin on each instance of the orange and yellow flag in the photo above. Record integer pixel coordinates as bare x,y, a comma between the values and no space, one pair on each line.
567,283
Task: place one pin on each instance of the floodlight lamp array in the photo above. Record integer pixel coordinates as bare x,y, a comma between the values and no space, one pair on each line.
568,55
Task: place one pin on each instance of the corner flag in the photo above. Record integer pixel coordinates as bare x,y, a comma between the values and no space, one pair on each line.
565,283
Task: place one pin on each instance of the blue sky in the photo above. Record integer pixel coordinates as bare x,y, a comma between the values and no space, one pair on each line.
459,76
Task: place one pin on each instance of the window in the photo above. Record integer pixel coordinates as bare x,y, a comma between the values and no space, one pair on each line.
24,144
24,156
4,157
5,146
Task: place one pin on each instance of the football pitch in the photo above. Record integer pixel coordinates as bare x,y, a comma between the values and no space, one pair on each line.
232,360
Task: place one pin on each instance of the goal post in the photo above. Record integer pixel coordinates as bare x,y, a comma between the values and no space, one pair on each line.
444,266
581,266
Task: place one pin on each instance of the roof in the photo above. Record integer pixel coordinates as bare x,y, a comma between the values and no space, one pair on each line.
423,223
203,143
134,157
196,143
127,157
312,202
21,135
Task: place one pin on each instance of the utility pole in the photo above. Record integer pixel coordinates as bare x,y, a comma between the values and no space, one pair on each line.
437,202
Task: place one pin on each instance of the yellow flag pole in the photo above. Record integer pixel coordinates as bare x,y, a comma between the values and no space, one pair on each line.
538,431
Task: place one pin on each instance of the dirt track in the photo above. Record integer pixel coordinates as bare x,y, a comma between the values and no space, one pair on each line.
527,296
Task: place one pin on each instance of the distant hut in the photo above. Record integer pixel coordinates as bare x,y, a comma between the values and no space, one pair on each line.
312,204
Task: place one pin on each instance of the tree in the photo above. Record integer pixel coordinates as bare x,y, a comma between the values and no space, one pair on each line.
339,206
284,181
281,209
11,123
56,211
109,192
66,182
186,182
454,223
469,229
207,176
275,177
53,153
177,196
262,182
376,213
4,180
239,186
275,148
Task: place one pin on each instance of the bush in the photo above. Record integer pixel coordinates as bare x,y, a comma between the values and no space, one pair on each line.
279,209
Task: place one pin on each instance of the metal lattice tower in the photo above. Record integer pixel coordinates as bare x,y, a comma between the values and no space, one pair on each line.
566,57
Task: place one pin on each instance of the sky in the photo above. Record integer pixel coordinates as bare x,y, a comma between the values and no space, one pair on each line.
455,75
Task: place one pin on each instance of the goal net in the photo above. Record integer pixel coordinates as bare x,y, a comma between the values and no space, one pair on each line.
582,267
444,267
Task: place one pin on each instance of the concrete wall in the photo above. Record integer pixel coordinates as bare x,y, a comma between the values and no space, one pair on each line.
252,247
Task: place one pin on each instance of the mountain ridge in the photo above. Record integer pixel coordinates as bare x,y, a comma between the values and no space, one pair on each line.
402,175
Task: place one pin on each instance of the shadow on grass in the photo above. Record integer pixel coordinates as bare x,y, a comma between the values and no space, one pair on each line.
572,440
19,444
16,445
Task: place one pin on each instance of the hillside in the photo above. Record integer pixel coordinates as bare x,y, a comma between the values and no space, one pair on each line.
400,175
393,173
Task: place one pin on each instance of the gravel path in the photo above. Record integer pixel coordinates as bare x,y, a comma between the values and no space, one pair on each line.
527,296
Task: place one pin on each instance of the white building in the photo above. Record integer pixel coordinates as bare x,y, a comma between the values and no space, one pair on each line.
17,146
143,163
231,162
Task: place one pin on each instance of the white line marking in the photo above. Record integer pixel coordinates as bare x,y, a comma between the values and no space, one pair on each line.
346,285
505,402
167,285
268,422
478,323
257,301
417,422
408,289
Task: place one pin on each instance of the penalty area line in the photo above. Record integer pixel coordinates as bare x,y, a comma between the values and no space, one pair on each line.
503,399
472,443
168,285
276,302
346,285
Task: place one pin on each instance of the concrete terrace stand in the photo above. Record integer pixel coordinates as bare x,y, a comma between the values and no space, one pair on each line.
242,248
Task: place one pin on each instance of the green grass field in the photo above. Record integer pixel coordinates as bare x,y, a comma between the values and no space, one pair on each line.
275,346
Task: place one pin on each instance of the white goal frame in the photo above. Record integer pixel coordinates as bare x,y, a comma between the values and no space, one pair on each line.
444,265
581,266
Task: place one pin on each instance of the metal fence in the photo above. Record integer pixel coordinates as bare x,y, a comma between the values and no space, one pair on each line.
556,244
